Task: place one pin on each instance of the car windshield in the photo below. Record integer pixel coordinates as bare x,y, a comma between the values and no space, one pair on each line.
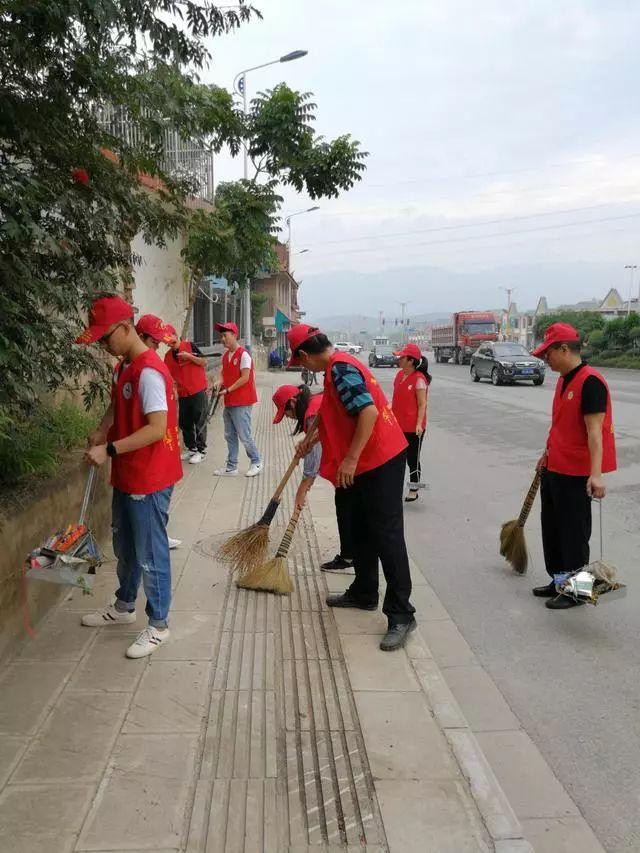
509,349
384,350
480,328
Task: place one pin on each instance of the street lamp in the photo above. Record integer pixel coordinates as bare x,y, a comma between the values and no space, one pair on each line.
240,86
632,268
288,221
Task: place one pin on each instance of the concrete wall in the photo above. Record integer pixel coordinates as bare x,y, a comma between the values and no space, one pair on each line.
160,286
24,526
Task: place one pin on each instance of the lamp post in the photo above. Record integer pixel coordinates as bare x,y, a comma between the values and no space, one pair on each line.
288,221
632,268
508,291
240,86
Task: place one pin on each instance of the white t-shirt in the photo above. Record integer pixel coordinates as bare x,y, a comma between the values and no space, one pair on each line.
152,390
245,361
421,382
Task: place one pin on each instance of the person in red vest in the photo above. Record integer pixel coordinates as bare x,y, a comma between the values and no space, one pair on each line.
237,383
139,433
580,449
363,449
153,332
300,405
409,405
186,364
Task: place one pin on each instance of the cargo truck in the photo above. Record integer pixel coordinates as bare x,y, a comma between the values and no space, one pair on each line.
462,337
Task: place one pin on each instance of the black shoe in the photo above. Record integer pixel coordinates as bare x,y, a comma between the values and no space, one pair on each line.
548,591
396,635
338,564
343,599
562,602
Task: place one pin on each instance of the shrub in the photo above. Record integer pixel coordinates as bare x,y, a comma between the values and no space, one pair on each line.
35,444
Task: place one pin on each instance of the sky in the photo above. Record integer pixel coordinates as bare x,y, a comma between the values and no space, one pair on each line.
500,134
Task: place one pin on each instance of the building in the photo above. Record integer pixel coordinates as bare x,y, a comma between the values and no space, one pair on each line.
280,309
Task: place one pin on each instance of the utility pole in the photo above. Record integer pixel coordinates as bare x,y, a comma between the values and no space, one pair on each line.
403,306
632,268
509,291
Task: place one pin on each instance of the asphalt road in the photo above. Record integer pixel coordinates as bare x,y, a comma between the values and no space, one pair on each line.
572,678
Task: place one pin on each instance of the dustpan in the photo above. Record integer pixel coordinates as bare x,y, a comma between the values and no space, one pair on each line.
594,581
71,555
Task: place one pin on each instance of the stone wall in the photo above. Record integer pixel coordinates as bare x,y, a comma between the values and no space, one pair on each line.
160,286
23,526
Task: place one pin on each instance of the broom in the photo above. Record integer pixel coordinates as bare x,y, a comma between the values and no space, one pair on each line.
513,546
247,549
273,575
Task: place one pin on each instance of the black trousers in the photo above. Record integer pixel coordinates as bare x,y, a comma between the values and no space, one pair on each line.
344,514
192,414
413,456
566,522
378,534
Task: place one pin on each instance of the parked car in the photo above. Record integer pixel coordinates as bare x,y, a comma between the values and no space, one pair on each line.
503,362
382,356
345,346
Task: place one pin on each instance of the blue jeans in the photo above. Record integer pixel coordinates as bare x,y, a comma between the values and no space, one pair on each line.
140,543
237,426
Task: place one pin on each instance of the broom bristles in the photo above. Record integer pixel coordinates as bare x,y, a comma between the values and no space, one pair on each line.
245,550
513,546
272,576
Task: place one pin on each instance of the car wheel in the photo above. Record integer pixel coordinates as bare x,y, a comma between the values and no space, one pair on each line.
474,373
495,377
539,380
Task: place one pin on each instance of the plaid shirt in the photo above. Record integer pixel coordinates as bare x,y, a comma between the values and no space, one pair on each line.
351,387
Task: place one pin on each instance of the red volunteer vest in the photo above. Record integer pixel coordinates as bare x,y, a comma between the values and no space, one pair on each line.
405,401
157,465
567,445
312,410
190,378
337,426
245,396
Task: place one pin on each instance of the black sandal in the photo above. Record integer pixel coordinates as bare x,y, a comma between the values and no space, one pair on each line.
411,497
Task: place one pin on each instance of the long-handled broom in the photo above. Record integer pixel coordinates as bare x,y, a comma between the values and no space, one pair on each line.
273,576
247,549
513,546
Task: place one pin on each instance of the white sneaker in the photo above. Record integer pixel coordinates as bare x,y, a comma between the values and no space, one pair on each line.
254,469
195,458
225,472
108,616
187,454
174,543
147,642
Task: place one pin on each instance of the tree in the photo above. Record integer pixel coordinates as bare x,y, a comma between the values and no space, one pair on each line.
634,335
596,339
70,195
584,321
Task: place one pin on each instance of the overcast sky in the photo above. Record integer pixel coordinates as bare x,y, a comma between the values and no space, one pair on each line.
499,132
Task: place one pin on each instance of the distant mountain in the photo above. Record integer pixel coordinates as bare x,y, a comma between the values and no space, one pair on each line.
436,292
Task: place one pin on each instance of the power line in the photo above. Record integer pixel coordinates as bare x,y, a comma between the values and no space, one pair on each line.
488,236
467,225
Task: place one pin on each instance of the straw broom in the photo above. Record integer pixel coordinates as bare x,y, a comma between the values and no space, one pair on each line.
513,546
247,549
273,576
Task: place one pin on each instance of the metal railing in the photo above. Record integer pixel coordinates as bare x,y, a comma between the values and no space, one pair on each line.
183,158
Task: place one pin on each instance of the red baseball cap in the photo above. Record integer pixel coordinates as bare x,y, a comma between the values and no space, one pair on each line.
283,395
171,329
410,350
557,333
103,314
153,326
227,327
296,336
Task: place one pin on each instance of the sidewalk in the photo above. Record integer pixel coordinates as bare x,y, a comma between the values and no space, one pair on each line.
265,724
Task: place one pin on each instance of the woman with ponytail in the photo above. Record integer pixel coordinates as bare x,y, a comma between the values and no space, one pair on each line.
300,405
409,405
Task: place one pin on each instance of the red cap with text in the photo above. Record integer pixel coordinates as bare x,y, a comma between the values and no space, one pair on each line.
557,333
296,336
153,326
227,327
103,314
410,350
283,395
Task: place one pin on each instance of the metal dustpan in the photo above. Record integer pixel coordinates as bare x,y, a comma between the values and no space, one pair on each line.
71,556
594,581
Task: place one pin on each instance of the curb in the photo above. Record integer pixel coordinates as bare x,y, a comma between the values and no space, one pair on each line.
499,818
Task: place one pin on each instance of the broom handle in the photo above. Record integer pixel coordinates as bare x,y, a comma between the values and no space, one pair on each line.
283,547
86,500
528,501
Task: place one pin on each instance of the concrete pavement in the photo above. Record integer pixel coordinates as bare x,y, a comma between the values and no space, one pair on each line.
265,723
568,680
